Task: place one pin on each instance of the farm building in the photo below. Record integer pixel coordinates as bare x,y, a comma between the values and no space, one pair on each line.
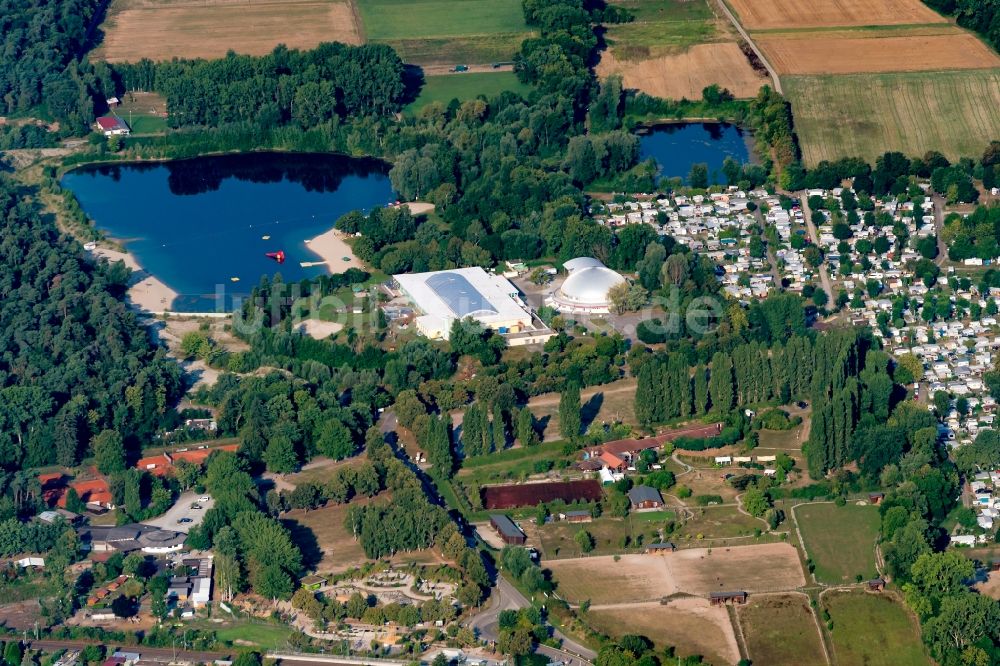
508,531
628,450
576,516
444,296
876,584
722,598
586,289
530,494
313,582
113,126
645,497
662,547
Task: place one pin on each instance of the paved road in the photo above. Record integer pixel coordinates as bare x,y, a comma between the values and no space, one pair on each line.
746,37
939,203
824,277
506,597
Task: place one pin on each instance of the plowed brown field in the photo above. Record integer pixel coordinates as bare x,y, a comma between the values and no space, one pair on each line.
163,30
822,53
687,74
766,14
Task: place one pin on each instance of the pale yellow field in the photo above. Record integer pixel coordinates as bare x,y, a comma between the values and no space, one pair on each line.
829,53
686,74
161,30
691,625
699,571
767,14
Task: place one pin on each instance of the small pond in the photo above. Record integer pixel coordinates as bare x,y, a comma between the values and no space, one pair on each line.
678,146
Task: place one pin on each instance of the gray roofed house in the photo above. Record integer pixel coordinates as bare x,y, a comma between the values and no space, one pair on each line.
508,531
645,497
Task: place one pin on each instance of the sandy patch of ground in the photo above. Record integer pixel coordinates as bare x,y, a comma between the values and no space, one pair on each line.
758,568
685,75
319,330
692,625
163,30
644,578
991,586
830,54
333,250
147,292
420,207
601,579
764,14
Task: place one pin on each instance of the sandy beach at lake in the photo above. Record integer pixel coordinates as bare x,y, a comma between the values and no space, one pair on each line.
337,255
146,291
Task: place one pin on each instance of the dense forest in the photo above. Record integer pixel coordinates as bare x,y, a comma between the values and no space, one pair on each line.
44,42
307,88
73,359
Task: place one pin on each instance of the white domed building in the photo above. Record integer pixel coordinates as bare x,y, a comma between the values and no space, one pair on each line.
585,290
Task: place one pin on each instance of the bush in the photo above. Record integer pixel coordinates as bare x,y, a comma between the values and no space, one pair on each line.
729,435
705,500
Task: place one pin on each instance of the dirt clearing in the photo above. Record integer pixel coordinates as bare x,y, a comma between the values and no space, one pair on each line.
604,581
685,75
691,625
822,53
700,571
767,14
163,30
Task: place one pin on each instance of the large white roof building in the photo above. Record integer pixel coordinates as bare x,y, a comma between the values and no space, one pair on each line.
444,296
586,288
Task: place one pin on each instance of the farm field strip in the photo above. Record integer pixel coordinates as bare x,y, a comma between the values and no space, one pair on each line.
410,19
864,115
764,14
208,30
685,75
836,54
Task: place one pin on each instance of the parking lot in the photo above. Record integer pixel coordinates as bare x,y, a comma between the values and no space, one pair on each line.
182,511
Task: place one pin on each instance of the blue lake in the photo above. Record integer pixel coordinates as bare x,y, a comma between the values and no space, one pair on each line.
195,224
676,147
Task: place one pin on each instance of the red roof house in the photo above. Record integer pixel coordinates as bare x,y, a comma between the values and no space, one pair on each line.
112,126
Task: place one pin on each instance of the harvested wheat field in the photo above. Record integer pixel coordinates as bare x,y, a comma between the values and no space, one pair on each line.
139,29
686,74
604,581
863,115
825,53
768,14
700,571
691,625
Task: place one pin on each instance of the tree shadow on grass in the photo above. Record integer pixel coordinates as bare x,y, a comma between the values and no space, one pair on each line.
306,541
590,410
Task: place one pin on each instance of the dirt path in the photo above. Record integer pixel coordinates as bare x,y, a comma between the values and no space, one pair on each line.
439,70
824,277
621,386
746,37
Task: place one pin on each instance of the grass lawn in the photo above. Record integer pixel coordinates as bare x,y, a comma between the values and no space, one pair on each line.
781,631
446,87
840,540
446,31
864,115
557,539
409,19
508,465
873,630
663,26
263,635
718,522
